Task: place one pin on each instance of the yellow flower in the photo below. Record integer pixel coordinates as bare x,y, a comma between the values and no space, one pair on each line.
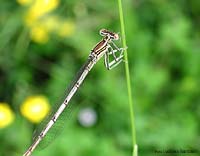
39,34
35,108
39,9
41,24
66,28
51,23
6,115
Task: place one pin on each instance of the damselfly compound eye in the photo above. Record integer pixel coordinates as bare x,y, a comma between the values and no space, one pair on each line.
103,32
116,36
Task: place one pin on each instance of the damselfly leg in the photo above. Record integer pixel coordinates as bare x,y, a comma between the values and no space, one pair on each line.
119,49
117,59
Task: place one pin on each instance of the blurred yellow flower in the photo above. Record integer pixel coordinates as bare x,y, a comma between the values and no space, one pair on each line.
39,34
66,28
6,115
35,108
41,24
39,8
40,30
51,23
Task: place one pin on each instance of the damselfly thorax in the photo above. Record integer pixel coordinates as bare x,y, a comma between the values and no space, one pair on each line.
107,47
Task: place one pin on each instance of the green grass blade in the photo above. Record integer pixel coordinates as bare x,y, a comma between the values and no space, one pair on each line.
128,79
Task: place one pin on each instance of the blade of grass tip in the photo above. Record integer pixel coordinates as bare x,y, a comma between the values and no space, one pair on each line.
128,80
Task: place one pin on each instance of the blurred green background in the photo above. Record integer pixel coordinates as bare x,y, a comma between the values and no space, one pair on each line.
43,44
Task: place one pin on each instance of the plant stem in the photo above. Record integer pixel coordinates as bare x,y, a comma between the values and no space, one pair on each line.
128,80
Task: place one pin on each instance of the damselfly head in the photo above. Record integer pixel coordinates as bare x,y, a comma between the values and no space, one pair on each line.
104,32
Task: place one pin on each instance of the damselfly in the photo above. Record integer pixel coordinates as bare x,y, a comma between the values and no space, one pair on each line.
106,47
